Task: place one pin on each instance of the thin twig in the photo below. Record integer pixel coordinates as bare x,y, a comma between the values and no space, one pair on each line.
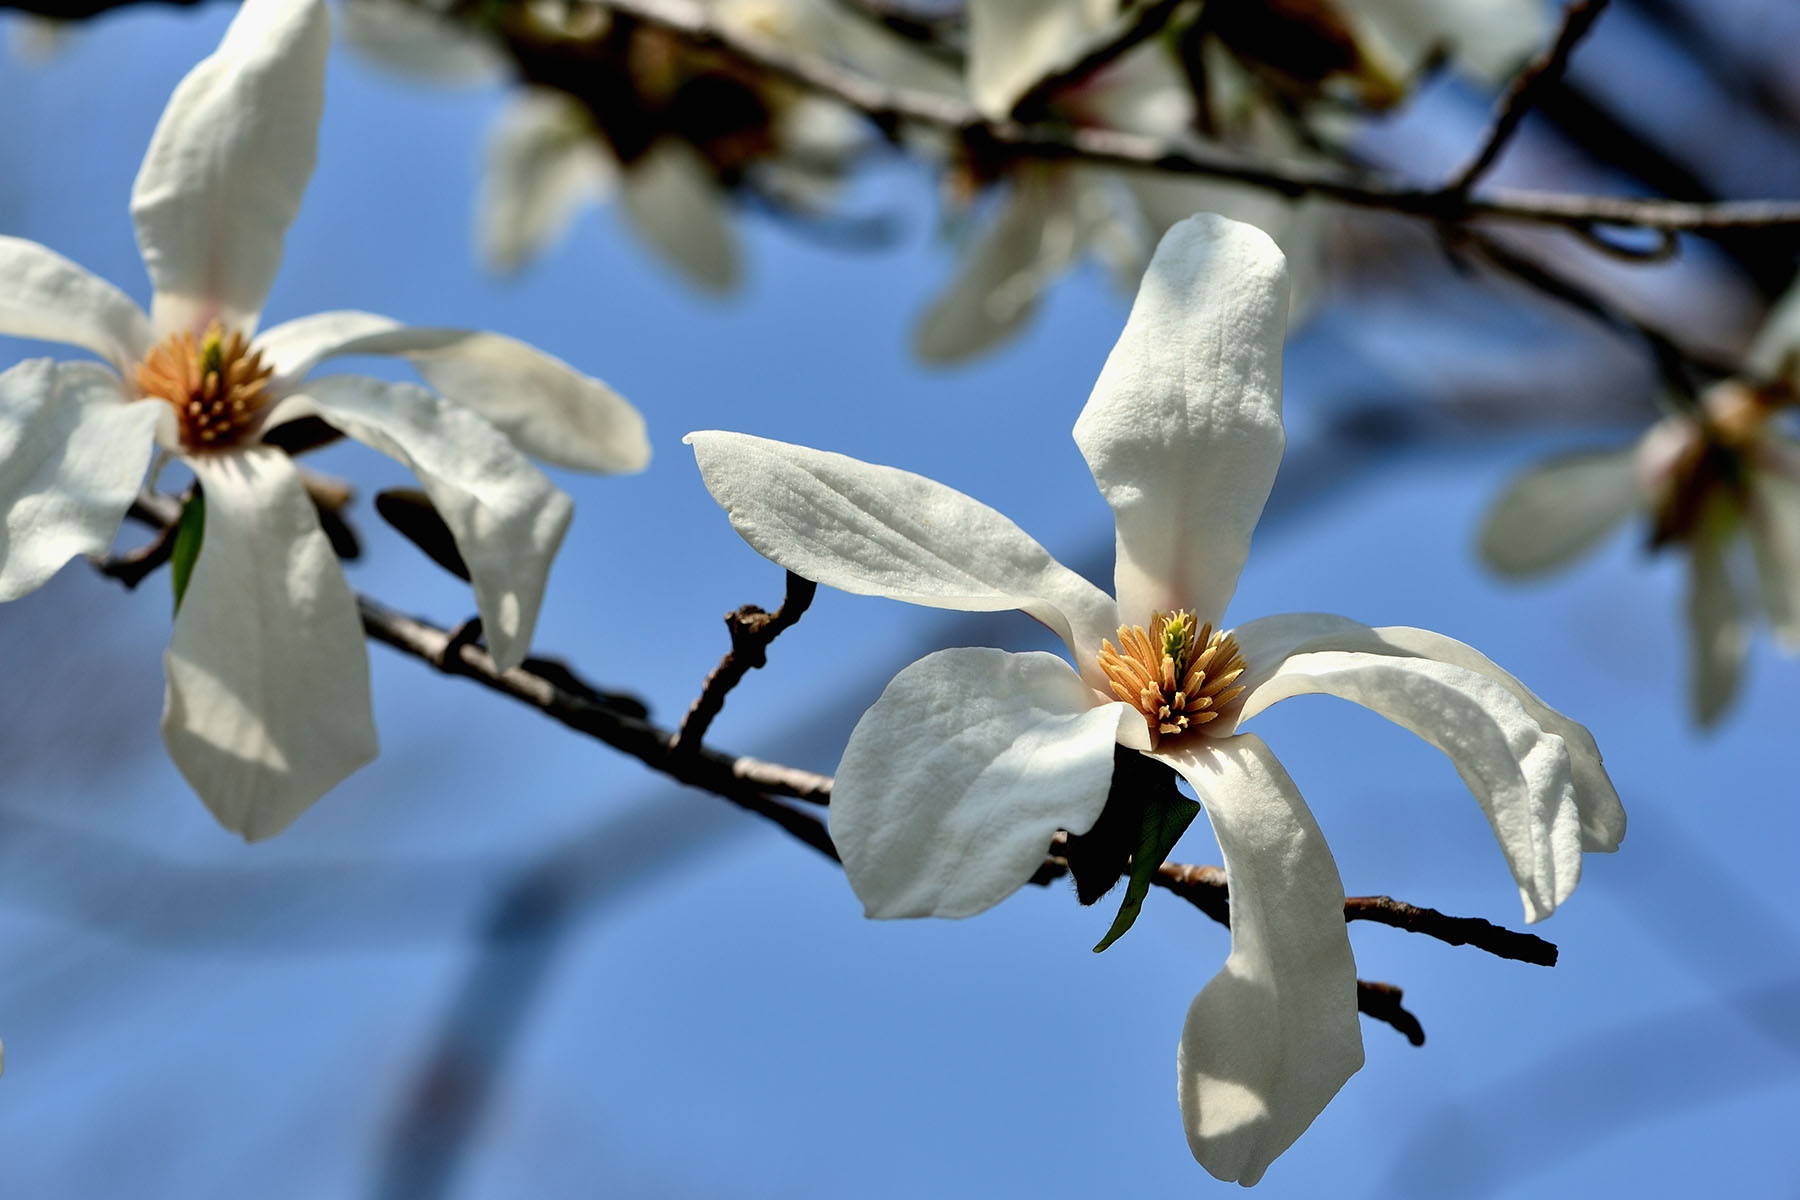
1542,74
1204,887
132,567
752,630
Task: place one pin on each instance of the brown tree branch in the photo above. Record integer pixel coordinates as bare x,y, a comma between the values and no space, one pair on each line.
893,106
1381,1002
1543,73
752,630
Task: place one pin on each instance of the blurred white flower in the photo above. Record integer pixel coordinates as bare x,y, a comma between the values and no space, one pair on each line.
954,783
1712,482
267,704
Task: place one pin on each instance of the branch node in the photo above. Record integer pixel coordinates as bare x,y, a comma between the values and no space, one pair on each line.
751,631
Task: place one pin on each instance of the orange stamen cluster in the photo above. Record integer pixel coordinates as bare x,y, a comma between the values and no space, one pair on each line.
215,385
1177,674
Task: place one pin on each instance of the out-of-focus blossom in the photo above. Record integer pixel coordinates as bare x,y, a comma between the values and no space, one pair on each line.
267,704
953,785
1715,482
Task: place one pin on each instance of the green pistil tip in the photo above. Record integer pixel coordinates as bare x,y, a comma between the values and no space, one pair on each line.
212,354
1178,635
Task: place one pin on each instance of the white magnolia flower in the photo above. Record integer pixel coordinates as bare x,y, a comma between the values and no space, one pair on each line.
1710,482
267,704
954,783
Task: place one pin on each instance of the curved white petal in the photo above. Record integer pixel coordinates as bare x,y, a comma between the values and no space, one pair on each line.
674,203
1015,43
49,298
1183,431
878,531
550,410
267,706
953,784
1034,237
1519,772
228,163
1272,1038
1773,516
1556,511
544,164
1719,638
507,518
72,454
1775,351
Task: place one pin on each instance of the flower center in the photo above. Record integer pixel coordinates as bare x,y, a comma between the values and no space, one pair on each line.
1178,673
215,385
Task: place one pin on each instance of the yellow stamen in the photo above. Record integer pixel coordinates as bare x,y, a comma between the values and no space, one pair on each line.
216,386
1179,674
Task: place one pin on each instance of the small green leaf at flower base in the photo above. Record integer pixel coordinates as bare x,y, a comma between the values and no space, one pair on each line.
189,532
1166,818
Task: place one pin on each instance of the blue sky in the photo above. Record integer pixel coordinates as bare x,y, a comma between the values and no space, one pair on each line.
657,997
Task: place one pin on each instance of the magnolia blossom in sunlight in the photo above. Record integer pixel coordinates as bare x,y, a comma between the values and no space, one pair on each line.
954,783
267,703
1722,482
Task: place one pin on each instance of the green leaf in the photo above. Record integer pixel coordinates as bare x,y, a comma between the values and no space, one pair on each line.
189,532
1166,818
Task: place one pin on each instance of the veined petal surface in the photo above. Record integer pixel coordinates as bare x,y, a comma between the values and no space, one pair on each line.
267,705
878,531
550,410
1269,641
1272,1038
1519,772
1555,512
72,455
954,782
227,166
507,518
1183,431
51,299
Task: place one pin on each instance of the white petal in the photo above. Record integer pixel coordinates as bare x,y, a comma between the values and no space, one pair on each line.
1015,43
1719,637
1773,515
953,784
1519,772
544,164
1183,431
507,518
267,705
1555,512
1035,236
878,531
228,163
1272,1038
51,299
72,454
674,202
550,410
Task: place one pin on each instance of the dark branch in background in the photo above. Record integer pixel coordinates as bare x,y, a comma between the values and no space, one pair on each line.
891,107
752,630
1543,73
